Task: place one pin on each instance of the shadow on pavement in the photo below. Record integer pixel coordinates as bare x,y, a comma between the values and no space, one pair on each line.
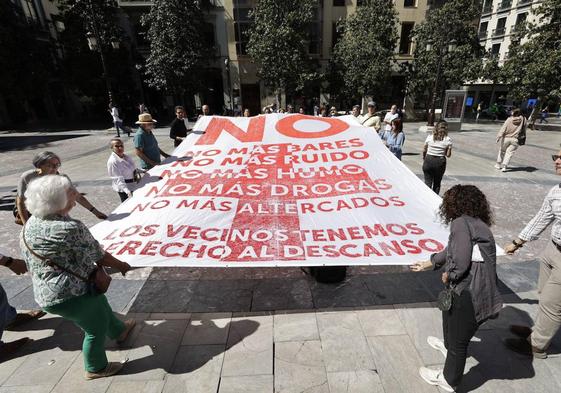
68,337
494,360
10,143
252,290
529,169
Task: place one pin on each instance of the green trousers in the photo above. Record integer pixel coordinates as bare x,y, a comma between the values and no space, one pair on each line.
95,317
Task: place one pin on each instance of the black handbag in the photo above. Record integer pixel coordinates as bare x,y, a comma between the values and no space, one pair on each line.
445,297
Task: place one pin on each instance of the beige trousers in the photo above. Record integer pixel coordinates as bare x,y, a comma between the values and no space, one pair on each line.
548,320
507,149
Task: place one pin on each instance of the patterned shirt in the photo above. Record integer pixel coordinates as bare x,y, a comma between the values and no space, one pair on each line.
68,243
549,212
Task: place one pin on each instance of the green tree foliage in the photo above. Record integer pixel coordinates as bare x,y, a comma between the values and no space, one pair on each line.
532,67
178,48
363,56
453,22
278,41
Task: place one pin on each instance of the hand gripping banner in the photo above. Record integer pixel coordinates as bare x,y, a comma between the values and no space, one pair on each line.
277,190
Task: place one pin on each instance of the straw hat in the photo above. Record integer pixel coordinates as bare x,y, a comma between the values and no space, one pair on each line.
144,118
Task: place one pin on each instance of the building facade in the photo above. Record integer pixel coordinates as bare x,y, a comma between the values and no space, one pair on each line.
55,102
233,83
498,23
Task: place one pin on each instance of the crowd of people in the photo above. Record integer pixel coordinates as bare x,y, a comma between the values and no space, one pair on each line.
66,262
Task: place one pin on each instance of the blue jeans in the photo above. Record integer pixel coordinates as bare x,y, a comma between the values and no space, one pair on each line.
7,312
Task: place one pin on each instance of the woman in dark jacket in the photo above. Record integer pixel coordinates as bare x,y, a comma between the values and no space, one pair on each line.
469,263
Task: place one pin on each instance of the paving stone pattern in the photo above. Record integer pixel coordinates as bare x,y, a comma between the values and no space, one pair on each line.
276,330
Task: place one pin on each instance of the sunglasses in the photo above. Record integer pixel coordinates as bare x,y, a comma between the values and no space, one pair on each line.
54,166
118,145
555,157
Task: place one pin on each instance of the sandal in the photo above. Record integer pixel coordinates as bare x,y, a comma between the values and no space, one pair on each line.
22,318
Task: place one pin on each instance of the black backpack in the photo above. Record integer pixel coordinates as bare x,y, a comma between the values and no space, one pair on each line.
328,274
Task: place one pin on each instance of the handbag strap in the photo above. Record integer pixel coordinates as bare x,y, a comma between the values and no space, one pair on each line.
49,261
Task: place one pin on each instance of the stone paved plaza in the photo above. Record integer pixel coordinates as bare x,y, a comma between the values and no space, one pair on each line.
270,330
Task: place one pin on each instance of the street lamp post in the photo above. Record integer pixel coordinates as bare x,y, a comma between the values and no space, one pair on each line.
442,50
227,65
95,44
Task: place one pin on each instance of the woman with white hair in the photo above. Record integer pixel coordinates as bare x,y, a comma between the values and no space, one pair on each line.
45,163
61,254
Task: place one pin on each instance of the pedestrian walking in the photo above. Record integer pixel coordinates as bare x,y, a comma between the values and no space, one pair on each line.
61,254
396,138
508,138
9,317
178,129
470,275
437,148
246,113
543,115
145,143
117,122
122,170
45,163
535,341
479,110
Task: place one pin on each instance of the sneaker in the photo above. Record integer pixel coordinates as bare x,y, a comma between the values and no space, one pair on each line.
523,347
437,344
504,169
129,325
498,166
112,368
520,331
435,377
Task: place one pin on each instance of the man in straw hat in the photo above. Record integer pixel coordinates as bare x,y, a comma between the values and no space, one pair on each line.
145,143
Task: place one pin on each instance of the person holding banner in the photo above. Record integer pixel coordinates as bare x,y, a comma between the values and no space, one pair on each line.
9,317
61,255
536,340
470,275
121,170
437,148
145,143
45,163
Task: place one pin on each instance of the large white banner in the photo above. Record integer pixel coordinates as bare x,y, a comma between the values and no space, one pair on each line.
277,190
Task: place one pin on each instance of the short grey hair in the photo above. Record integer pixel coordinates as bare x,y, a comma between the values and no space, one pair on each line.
42,158
46,195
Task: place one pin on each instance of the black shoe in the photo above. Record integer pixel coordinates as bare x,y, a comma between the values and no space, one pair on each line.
523,347
520,331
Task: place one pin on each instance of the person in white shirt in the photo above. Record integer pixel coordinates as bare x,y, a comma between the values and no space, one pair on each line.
117,120
391,115
120,168
438,147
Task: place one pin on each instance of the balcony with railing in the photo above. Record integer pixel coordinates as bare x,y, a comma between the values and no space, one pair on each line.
487,7
505,5
482,34
499,32
524,2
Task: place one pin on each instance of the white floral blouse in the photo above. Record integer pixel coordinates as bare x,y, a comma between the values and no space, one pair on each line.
69,243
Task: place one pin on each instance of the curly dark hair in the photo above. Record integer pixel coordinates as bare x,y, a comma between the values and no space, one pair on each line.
465,199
